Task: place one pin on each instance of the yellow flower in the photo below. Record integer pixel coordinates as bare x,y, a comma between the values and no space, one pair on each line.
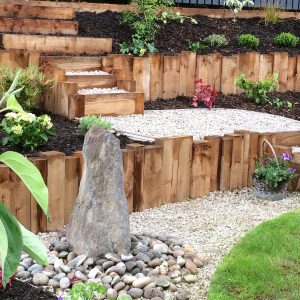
47,122
27,117
18,130
142,51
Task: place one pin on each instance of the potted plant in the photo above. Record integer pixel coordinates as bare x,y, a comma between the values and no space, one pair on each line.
271,175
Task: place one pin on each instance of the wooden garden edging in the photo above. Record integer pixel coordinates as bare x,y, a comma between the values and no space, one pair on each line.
170,171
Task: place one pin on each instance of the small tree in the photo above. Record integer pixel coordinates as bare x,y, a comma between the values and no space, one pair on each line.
236,6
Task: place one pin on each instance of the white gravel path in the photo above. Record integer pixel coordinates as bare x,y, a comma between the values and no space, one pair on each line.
212,224
86,73
201,122
99,91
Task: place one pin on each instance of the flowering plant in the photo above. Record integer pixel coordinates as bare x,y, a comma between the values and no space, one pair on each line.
204,93
274,173
26,129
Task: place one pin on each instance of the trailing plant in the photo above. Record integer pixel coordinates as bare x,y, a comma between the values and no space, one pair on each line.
236,6
274,173
87,122
259,91
26,129
145,22
204,93
286,39
31,78
197,46
248,41
272,14
13,236
216,41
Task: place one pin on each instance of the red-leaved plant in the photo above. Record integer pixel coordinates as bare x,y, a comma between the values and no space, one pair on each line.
9,281
204,93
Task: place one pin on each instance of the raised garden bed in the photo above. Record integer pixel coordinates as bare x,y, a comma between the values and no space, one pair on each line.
174,37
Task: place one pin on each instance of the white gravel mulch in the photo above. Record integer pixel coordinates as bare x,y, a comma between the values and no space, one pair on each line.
100,91
212,224
86,73
201,122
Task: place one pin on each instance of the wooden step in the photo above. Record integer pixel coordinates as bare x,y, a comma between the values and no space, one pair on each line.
58,44
38,26
36,11
111,104
90,81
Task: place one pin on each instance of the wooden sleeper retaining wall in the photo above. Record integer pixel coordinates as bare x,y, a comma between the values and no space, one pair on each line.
170,171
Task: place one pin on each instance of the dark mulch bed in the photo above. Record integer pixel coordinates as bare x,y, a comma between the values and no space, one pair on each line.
24,291
174,37
67,140
235,102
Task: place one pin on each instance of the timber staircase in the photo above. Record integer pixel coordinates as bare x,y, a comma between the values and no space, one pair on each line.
38,31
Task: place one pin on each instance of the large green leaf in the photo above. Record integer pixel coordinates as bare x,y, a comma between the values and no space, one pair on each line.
10,252
33,246
13,104
30,175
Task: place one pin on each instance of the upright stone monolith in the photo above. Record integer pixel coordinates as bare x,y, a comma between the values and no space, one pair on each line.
100,220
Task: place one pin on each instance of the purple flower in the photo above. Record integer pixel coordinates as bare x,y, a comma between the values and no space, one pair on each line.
286,156
293,170
60,298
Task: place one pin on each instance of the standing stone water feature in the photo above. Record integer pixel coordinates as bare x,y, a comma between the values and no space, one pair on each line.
100,220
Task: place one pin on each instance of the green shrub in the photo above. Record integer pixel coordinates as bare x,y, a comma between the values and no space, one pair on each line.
196,46
272,14
87,122
286,39
33,81
216,41
26,129
248,41
87,291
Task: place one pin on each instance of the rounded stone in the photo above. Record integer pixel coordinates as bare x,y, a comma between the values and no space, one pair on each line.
115,280
189,265
130,265
79,275
119,286
59,276
141,282
162,282
65,268
53,283
93,273
162,248
151,293
126,256
20,269
182,294
35,268
178,252
140,264
154,263
142,257
128,279
23,275
107,280
71,256
190,278
40,279
64,283
108,264
113,257
135,293
111,293
61,246
63,254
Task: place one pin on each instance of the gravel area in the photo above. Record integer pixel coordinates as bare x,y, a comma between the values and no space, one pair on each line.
99,91
211,224
86,73
201,122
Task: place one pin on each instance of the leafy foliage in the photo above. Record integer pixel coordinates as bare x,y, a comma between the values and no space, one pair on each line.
197,46
87,122
216,41
272,175
248,41
236,6
204,93
33,81
286,39
145,22
87,291
26,129
272,14
14,237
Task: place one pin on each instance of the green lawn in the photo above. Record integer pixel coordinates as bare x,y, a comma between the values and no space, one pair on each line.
264,265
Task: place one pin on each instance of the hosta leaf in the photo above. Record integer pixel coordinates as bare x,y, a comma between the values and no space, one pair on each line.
33,246
11,247
30,175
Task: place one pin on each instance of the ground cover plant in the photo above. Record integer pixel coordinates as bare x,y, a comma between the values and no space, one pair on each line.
85,123
262,265
204,93
216,41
